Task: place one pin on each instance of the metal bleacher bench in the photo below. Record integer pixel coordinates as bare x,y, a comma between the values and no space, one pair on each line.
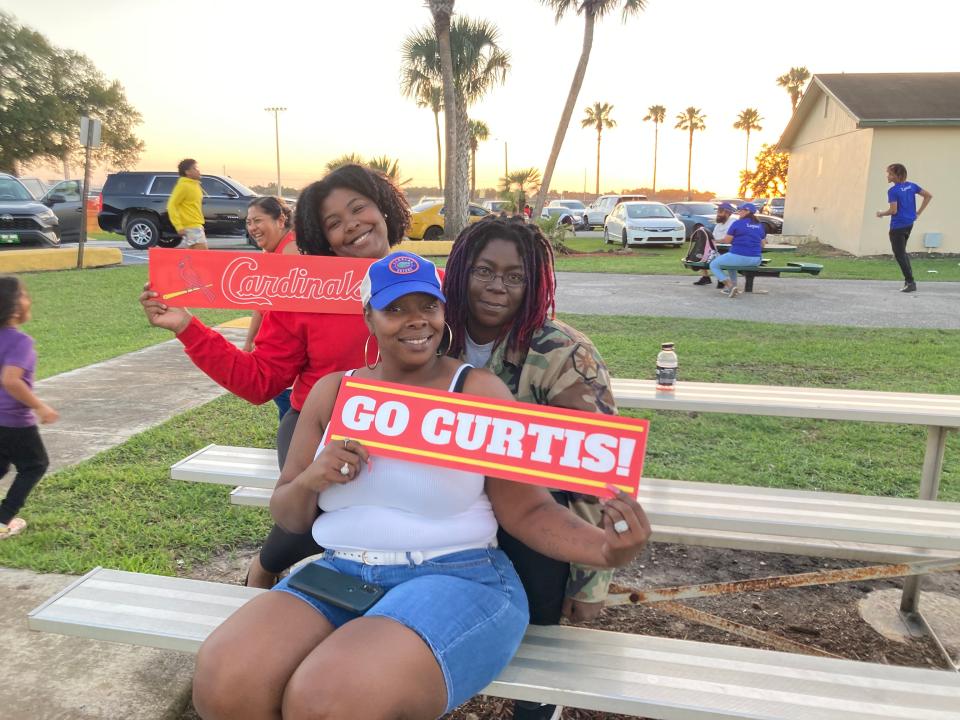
591,669
764,269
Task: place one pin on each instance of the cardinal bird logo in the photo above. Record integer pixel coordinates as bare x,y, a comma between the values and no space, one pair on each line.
192,280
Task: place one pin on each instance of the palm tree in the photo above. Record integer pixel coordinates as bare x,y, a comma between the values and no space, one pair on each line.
656,113
427,95
592,10
793,82
389,167
347,159
521,181
598,117
478,64
479,132
441,11
748,120
690,119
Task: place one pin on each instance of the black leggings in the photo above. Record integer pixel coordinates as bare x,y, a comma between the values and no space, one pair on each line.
282,549
898,242
22,448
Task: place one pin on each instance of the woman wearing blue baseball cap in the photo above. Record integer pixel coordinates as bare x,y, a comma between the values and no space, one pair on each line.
453,610
747,238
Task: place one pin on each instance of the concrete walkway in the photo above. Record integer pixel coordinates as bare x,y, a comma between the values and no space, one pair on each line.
53,677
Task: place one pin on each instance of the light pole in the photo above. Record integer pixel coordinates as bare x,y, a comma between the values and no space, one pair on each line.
276,131
506,168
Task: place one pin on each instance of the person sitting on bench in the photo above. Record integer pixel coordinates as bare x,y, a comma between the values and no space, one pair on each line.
747,238
726,216
454,611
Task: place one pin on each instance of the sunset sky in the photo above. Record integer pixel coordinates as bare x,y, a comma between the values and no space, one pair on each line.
201,74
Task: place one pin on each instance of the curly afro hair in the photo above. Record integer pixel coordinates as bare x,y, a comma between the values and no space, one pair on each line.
311,237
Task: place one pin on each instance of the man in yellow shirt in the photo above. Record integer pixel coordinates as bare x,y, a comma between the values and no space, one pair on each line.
185,206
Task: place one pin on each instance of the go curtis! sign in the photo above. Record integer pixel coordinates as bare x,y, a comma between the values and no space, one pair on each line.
537,444
257,281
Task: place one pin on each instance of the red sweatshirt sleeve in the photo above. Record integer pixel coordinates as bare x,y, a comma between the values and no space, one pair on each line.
256,376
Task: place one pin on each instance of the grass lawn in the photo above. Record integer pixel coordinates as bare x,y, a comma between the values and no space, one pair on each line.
120,510
668,261
84,316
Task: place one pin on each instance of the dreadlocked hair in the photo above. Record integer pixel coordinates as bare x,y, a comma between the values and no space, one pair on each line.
536,255
10,289
308,225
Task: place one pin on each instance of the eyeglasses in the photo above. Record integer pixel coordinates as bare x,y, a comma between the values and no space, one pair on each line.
487,276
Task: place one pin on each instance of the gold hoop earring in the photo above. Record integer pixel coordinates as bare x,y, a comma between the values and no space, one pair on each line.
441,350
366,354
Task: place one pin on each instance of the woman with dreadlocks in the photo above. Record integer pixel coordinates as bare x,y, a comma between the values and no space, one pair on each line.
352,212
500,285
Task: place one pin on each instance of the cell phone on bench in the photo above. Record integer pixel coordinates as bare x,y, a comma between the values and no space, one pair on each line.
345,592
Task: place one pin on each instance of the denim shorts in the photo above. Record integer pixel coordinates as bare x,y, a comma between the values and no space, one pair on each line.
468,607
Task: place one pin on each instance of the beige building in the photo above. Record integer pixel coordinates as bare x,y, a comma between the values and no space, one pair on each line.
845,131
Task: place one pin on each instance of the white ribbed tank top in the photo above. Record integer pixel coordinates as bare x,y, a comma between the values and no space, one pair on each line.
403,505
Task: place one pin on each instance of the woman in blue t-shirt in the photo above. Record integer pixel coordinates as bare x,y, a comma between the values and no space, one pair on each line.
746,238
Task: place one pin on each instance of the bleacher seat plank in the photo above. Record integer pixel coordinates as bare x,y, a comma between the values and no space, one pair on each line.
591,669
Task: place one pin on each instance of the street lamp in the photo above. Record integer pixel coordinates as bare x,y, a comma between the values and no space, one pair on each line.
276,131
506,169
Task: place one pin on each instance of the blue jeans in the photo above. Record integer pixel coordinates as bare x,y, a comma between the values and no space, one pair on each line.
729,261
468,607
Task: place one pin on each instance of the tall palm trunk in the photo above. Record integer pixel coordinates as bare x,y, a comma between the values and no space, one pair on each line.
436,124
597,191
578,75
455,212
689,160
746,159
461,201
473,173
656,139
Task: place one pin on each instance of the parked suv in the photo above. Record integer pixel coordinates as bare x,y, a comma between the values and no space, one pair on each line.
23,220
599,209
134,204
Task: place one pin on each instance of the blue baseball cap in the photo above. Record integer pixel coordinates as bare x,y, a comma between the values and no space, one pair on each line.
396,275
726,206
749,207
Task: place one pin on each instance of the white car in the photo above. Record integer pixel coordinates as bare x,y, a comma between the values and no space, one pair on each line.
577,210
601,207
643,223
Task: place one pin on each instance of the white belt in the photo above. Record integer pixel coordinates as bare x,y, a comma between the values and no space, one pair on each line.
402,557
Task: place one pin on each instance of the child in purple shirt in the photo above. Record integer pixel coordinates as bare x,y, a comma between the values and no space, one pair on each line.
20,443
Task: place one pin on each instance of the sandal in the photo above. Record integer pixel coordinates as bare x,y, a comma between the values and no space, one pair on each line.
14,527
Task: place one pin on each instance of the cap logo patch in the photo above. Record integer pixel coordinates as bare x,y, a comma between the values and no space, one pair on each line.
403,265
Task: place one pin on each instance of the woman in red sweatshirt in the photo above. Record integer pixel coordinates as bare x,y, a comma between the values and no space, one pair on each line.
352,212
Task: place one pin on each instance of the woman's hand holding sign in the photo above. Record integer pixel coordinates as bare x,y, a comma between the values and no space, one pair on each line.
338,463
159,314
625,528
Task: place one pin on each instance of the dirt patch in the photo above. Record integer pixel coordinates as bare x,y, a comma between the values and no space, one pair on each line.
824,617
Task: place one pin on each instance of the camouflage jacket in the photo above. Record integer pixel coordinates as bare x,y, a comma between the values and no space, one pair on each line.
562,368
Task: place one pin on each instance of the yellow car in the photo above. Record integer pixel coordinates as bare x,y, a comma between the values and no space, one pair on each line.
426,220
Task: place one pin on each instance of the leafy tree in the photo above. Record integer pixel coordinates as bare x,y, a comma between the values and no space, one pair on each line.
385,164
656,113
598,117
346,159
591,10
477,64
769,179
748,120
519,182
44,91
479,132
793,82
691,119
389,167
